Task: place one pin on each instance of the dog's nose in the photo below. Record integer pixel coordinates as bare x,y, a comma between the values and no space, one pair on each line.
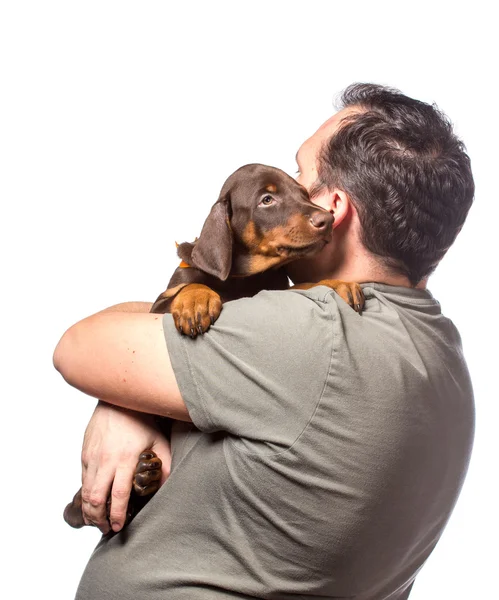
321,219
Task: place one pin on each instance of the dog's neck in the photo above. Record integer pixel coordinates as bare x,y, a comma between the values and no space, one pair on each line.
245,264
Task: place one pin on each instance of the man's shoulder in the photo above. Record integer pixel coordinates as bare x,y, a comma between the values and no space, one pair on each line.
292,298
292,307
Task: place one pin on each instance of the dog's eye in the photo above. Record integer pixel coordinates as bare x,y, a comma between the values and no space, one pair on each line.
267,200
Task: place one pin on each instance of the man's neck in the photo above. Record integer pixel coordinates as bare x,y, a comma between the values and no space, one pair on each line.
356,266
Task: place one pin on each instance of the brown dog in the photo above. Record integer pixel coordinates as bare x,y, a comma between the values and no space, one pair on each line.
262,220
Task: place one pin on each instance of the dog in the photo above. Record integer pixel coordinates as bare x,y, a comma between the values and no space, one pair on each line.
262,220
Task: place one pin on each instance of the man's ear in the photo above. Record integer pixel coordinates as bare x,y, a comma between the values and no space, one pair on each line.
212,252
339,205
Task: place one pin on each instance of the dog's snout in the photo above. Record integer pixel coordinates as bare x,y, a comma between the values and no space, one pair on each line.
321,219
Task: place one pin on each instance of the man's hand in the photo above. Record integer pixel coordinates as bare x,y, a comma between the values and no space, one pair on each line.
113,441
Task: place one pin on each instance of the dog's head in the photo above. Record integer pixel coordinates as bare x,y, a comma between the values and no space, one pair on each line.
262,219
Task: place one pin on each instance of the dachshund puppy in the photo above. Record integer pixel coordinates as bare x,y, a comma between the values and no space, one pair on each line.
262,220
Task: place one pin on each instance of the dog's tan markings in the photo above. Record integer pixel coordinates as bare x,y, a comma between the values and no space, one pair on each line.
296,232
271,188
349,291
261,257
259,263
250,238
263,244
270,248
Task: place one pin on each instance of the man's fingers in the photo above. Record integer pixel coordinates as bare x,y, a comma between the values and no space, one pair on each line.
95,492
120,495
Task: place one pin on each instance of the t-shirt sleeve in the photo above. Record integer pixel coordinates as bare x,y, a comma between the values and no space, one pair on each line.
259,372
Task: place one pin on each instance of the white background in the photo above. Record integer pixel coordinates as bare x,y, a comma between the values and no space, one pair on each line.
119,122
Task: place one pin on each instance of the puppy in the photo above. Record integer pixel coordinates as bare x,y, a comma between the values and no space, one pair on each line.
262,220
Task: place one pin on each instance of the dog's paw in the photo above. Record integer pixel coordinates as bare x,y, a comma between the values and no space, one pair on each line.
195,308
350,292
146,482
147,474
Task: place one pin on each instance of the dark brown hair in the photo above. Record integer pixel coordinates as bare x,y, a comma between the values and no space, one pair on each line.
405,171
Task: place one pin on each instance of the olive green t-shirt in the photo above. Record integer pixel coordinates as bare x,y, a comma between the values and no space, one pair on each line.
326,454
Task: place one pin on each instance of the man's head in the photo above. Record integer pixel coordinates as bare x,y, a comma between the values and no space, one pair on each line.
397,165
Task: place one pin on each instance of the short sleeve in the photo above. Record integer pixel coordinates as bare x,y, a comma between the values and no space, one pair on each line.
259,372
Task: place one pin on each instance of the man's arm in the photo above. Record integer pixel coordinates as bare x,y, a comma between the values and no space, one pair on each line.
119,355
129,307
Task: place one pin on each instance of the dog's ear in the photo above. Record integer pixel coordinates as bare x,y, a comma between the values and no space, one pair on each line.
212,252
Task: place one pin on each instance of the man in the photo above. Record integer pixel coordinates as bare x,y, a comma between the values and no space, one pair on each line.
327,449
